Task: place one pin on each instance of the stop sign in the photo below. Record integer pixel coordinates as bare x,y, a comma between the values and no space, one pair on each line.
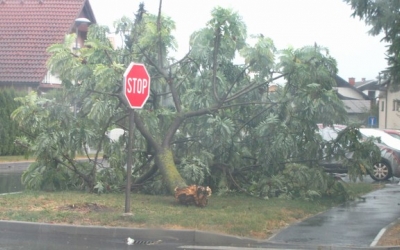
136,89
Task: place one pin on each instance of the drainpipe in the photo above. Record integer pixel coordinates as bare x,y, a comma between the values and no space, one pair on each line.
386,94
386,104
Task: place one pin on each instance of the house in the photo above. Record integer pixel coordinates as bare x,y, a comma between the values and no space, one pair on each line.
371,88
386,97
357,103
27,29
389,106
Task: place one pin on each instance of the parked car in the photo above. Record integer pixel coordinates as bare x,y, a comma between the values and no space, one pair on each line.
393,132
390,152
389,146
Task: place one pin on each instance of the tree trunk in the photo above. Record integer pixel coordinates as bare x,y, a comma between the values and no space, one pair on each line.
171,177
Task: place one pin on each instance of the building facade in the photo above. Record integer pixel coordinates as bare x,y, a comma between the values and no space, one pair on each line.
389,107
27,29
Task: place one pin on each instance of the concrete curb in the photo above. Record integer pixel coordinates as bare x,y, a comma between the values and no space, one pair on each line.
192,237
189,237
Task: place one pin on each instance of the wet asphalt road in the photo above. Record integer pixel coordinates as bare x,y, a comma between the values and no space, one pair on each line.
353,224
14,167
11,240
22,241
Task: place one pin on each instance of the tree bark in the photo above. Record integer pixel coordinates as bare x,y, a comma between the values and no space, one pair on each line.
171,177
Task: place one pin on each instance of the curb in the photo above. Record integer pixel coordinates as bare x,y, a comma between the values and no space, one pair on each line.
189,237
192,237
382,232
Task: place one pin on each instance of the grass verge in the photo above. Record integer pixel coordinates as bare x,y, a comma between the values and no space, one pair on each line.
19,158
234,214
15,158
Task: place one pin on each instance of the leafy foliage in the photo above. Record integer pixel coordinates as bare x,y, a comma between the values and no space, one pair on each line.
194,170
352,150
208,120
383,17
8,128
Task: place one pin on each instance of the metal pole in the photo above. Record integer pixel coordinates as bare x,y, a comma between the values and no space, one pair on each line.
76,39
129,162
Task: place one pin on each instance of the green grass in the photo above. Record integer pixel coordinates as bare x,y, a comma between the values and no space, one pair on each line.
15,158
234,214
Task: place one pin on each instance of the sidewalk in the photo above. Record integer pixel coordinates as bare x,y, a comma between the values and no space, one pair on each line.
353,224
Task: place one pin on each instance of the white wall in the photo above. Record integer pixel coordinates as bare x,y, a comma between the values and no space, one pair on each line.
348,92
389,114
51,79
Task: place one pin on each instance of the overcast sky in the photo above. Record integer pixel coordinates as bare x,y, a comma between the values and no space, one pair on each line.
293,23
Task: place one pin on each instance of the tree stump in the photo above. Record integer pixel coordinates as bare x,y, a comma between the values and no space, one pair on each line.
193,195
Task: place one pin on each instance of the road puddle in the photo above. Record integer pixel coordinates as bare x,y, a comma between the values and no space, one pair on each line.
10,183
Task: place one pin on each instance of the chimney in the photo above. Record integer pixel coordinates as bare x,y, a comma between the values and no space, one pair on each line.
352,81
363,79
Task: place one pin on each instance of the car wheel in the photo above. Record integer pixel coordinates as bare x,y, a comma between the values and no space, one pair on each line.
381,171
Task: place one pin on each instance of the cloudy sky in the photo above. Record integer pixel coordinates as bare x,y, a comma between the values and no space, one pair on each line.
293,23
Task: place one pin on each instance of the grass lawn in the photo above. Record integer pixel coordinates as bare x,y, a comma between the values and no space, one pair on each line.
15,158
234,214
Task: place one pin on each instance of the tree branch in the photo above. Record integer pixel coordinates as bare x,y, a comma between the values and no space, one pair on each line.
249,88
145,132
172,129
160,57
215,63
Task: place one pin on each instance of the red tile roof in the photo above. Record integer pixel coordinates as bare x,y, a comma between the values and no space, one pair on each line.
27,28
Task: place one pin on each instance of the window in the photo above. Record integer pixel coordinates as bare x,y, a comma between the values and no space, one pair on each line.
382,106
371,94
396,105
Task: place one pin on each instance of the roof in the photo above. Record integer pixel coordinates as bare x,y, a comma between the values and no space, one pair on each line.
367,85
344,84
28,28
357,106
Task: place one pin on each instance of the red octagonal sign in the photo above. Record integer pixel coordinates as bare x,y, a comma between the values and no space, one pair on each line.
136,85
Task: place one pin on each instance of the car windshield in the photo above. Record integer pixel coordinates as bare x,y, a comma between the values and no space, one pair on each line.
385,138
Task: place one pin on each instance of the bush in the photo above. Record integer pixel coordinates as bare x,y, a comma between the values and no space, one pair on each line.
8,129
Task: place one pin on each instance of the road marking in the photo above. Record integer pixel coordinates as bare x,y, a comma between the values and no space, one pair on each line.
380,234
11,193
377,238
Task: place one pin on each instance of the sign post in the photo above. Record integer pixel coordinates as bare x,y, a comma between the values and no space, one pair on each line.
136,91
129,162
